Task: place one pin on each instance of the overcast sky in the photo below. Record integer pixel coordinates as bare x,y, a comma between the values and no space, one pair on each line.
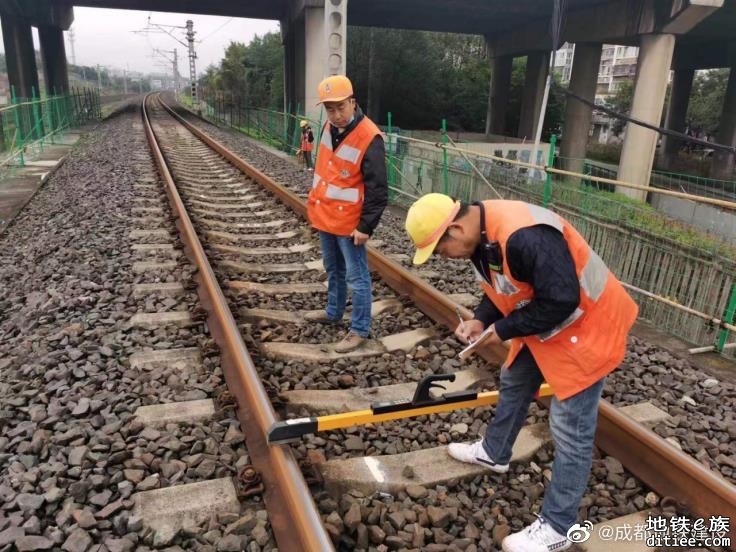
106,37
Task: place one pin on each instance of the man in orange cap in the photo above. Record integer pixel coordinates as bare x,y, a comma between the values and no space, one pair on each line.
349,193
567,317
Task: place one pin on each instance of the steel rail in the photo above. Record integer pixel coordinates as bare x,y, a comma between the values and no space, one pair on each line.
292,513
667,470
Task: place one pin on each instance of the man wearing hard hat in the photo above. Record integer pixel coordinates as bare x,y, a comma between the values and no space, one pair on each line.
567,317
306,144
349,193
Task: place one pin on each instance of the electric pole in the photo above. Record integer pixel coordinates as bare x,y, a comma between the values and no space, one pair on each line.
158,28
174,59
177,85
192,58
99,79
71,43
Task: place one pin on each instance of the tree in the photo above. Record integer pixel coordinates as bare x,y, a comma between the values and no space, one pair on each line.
706,100
253,72
621,103
421,77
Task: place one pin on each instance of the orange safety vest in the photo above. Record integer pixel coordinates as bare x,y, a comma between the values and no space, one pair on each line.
306,145
336,199
591,342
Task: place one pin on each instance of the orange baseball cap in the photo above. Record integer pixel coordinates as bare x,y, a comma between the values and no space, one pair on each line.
334,89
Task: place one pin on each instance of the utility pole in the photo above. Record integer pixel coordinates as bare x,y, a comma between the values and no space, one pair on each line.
174,59
158,28
177,85
71,43
99,79
192,58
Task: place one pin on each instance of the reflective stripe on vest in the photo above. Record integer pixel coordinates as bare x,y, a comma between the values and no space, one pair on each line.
334,204
326,140
348,153
503,284
351,195
591,342
594,275
577,313
544,216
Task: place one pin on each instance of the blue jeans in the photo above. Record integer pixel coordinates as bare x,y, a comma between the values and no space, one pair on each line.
572,423
347,264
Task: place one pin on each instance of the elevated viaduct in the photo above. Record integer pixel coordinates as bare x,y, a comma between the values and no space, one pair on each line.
683,35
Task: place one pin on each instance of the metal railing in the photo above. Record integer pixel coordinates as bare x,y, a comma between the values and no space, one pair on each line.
673,268
27,125
279,129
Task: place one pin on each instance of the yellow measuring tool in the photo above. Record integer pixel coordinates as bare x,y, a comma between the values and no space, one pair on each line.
420,405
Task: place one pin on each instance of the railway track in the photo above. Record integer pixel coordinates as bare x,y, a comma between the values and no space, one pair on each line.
246,233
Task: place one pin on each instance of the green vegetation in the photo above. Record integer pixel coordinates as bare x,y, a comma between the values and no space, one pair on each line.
419,76
706,100
607,153
254,72
628,212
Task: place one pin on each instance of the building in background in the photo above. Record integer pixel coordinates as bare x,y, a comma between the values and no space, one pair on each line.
618,65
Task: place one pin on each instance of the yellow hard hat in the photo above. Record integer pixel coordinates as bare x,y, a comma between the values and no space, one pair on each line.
334,89
303,124
426,222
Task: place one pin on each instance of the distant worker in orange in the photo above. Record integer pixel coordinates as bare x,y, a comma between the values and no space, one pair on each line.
306,144
348,196
567,317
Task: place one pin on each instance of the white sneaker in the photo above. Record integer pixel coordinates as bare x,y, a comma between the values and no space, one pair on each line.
538,537
474,453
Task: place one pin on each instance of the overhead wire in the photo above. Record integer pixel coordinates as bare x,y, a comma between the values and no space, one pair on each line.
216,30
656,128
557,21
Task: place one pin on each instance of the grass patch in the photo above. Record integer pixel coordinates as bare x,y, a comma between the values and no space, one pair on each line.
622,210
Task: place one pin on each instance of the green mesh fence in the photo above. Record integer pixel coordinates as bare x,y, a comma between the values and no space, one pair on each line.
670,257
28,125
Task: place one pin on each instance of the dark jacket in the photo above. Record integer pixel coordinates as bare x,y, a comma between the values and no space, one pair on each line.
539,256
373,168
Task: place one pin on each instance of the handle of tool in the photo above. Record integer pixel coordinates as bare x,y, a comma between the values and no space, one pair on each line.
290,430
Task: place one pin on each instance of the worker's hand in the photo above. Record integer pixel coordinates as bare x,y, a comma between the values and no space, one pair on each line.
469,331
359,238
491,338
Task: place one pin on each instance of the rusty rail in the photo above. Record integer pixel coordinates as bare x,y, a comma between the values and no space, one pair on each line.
667,470
292,513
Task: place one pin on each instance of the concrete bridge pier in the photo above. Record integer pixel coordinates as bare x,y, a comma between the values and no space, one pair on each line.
676,119
537,67
19,55
578,115
315,47
53,54
637,155
498,96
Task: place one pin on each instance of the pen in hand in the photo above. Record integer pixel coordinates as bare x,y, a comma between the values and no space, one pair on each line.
462,321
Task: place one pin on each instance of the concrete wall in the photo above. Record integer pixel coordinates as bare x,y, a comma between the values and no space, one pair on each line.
706,217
